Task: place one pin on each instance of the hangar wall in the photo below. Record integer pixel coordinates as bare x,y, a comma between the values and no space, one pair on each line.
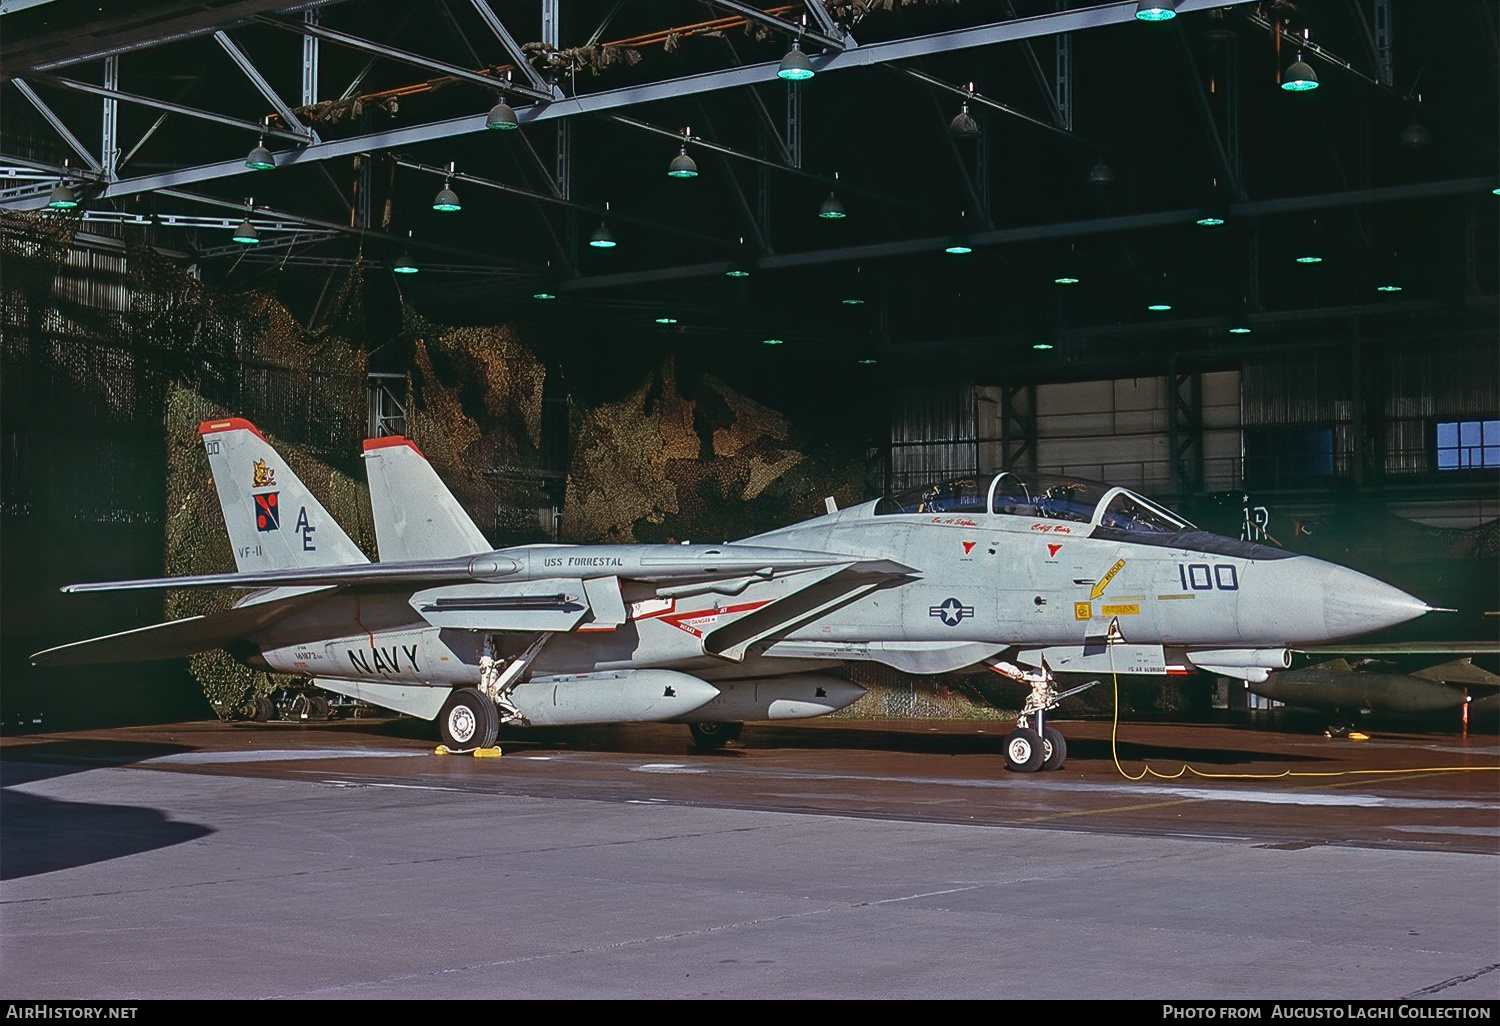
1119,431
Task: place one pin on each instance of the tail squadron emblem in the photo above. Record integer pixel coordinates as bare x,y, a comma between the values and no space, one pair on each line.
265,477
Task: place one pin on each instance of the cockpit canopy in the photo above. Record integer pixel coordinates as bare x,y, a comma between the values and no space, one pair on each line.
1043,496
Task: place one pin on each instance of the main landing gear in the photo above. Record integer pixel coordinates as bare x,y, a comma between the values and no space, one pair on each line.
715,735
469,720
1030,748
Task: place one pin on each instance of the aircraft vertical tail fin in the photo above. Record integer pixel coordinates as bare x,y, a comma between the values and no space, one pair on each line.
416,517
274,522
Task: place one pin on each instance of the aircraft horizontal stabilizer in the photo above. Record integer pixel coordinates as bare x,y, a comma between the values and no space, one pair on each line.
177,638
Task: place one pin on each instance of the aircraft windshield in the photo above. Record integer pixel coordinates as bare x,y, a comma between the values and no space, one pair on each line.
1044,496
1048,496
965,495
1127,512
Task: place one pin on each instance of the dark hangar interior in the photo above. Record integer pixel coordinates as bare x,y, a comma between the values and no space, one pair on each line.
1242,259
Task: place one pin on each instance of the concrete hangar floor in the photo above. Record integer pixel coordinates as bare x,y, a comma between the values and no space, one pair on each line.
827,859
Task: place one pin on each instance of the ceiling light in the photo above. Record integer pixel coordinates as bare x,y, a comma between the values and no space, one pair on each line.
1159,307
446,200
1156,10
1211,217
773,341
62,198
866,360
682,165
246,234
405,265
1413,137
1239,327
737,271
1309,259
852,301
543,295
832,209
1389,287
501,118
602,238
1066,280
1101,173
1300,77
260,158
963,125
795,67
958,245
1041,345
664,319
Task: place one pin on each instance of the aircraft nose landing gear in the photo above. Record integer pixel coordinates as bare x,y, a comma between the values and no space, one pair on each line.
1028,748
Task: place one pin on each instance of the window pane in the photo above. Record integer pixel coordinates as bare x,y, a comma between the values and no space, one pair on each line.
1468,433
1447,434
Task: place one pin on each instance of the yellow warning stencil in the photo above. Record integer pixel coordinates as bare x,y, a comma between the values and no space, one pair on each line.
1083,611
1104,581
1128,609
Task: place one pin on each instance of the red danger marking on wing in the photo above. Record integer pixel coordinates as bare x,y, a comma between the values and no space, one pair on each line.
1052,550
968,547
695,621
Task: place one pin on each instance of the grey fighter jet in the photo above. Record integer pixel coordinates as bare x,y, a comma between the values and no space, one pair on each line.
1027,574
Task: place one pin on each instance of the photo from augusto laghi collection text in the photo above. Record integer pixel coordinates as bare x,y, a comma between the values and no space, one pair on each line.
1328,1010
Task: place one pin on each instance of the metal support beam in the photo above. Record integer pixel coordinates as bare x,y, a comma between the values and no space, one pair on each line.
171,108
1383,63
563,178
57,125
517,55
867,55
984,101
1185,427
1206,114
552,23
109,149
258,80
406,57
795,31
311,18
794,123
1018,427
1064,91
826,24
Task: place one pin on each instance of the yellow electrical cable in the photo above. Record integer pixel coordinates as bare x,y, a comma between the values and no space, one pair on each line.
1147,770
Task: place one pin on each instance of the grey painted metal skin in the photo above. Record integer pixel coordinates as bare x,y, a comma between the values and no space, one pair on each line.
577,634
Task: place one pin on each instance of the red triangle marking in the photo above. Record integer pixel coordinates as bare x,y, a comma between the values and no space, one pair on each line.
968,547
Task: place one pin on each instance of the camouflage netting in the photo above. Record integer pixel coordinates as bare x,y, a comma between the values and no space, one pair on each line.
476,413
197,542
675,463
279,375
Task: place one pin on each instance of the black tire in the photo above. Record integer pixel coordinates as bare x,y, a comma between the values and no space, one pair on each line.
1054,749
317,707
469,720
715,735
1023,751
264,709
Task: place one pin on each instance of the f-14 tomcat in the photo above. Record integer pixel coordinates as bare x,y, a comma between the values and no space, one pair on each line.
1030,575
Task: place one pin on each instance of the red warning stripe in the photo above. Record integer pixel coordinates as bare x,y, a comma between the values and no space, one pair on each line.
214,427
390,441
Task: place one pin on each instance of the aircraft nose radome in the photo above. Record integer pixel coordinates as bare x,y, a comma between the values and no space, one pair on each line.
1354,603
